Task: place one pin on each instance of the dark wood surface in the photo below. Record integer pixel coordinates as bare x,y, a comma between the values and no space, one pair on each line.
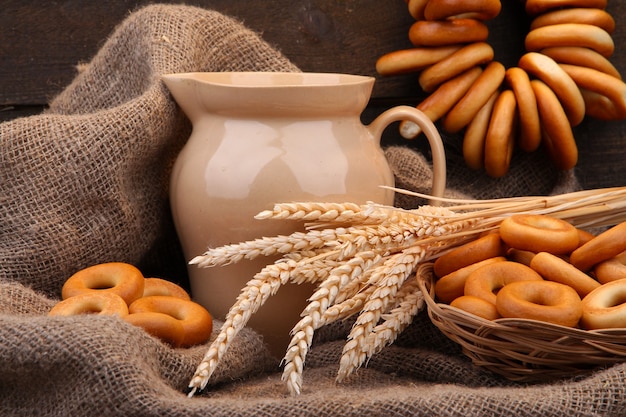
41,43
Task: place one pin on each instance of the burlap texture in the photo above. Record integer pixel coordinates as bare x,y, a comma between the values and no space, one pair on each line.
87,183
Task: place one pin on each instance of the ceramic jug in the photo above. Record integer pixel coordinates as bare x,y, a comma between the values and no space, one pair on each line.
264,138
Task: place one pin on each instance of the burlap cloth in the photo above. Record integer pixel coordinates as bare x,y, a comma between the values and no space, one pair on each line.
86,182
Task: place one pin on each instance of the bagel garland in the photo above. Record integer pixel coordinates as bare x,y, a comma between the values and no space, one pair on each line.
564,75
162,308
545,269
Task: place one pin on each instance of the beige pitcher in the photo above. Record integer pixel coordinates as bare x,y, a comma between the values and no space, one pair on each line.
264,138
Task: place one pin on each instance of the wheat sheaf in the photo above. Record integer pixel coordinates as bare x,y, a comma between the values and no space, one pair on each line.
363,259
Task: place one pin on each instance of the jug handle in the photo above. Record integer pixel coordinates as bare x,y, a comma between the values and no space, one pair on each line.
399,113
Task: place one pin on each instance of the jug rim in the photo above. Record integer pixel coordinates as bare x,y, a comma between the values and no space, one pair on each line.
271,79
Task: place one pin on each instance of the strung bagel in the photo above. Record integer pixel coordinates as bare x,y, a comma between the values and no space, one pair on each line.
465,58
535,7
474,137
476,306
547,70
594,81
570,34
119,278
476,97
478,9
160,325
530,127
416,8
500,137
612,269
581,57
447,32
196,321
442,100
548,97
103,303
410,60
545,301
557,132
584,15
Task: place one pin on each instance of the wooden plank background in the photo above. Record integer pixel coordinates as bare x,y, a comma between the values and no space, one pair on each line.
41,43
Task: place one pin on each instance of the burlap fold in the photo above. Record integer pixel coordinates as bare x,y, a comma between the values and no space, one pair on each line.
86,182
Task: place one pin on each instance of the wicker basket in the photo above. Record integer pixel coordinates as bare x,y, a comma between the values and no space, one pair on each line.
524,350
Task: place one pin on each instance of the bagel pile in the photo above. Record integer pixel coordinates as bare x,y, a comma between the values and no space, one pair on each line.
540,268
160,307
564,75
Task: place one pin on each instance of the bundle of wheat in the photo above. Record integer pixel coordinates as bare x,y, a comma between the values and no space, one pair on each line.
363,259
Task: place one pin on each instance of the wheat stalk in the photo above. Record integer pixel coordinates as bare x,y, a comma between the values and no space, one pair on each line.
362,258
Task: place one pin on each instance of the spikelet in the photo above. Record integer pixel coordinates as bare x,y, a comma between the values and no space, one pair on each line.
363,259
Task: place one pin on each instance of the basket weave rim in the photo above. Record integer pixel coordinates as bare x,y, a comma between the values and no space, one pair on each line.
522,349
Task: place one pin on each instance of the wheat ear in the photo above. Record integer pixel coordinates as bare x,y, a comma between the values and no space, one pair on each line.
313,316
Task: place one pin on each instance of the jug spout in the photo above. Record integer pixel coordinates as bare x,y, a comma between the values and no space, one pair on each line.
184,89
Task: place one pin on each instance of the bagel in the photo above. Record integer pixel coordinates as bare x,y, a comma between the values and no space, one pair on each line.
500,137
585,15
614,89
547,70
557,131
535,7
530,127
414,59
416,8
447,32
468,56
474,137
441,101
478,9
119,278
582,57
570,34
476,97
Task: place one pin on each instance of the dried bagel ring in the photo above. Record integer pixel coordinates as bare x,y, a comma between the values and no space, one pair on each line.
601,83
469,56
585,15
500,138
416,8
408,60
535,7
441,101
557,131
447,32
474,137
530,127
475,98
570,34
548,71
478,9
582,57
